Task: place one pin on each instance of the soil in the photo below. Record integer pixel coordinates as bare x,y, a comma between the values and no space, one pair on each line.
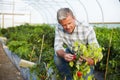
7,70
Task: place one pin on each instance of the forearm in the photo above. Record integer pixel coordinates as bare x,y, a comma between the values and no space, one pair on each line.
90,61
61,53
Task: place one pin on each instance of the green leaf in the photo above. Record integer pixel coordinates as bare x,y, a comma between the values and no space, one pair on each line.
74,77
77,66
71,63
90,77
88,71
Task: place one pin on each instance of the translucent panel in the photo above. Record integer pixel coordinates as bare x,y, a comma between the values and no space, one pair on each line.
44,11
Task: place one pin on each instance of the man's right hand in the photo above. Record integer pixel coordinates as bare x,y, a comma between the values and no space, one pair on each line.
68,57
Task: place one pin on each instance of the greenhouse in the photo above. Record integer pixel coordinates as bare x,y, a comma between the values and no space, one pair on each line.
28,39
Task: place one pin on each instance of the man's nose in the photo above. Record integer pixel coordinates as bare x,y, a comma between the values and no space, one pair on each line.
68,26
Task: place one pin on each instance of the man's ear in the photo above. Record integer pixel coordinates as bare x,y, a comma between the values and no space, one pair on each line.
74,17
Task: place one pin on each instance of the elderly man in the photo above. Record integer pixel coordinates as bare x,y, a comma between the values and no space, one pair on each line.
67,32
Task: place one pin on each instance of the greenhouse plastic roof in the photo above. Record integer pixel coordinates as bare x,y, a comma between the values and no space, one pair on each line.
44,11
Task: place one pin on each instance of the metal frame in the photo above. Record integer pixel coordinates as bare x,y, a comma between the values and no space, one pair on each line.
48,8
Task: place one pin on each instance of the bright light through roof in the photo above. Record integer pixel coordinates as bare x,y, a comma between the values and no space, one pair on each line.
44,11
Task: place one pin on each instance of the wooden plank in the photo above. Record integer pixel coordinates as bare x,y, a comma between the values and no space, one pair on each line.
26,64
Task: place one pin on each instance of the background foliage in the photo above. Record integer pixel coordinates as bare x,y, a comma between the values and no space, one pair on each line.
103,36
25,40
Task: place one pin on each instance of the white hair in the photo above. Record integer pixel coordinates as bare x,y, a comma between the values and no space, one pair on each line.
63,13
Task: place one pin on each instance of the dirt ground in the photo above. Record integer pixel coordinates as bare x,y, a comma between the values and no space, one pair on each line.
7,70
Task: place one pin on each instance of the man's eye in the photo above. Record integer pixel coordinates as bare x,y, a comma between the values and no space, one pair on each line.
69,23
63,25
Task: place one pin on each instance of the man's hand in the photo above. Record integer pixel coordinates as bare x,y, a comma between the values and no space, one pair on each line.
90,61
68,57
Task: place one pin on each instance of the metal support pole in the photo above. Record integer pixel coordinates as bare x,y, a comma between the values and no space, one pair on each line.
2,20
30,18
13,14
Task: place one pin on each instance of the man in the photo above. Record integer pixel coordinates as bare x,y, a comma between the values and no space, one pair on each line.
69,31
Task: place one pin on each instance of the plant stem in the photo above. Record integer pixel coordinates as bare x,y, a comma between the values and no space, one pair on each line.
41,49
108,54
32,53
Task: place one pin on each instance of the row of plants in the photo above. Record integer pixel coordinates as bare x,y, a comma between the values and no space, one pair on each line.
109,39
26,40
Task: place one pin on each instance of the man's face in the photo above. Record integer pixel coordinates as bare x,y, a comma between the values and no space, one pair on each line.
68,23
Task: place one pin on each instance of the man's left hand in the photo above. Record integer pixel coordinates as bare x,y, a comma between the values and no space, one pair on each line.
90,61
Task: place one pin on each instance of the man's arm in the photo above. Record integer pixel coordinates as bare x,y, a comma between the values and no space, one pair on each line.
58,42
61,53
90,61
58,47
91,39
67,56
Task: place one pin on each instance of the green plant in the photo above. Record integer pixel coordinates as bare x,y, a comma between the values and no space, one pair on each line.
25,40
103,36
82,69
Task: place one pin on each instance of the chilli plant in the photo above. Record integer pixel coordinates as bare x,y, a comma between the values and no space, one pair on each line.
80,70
